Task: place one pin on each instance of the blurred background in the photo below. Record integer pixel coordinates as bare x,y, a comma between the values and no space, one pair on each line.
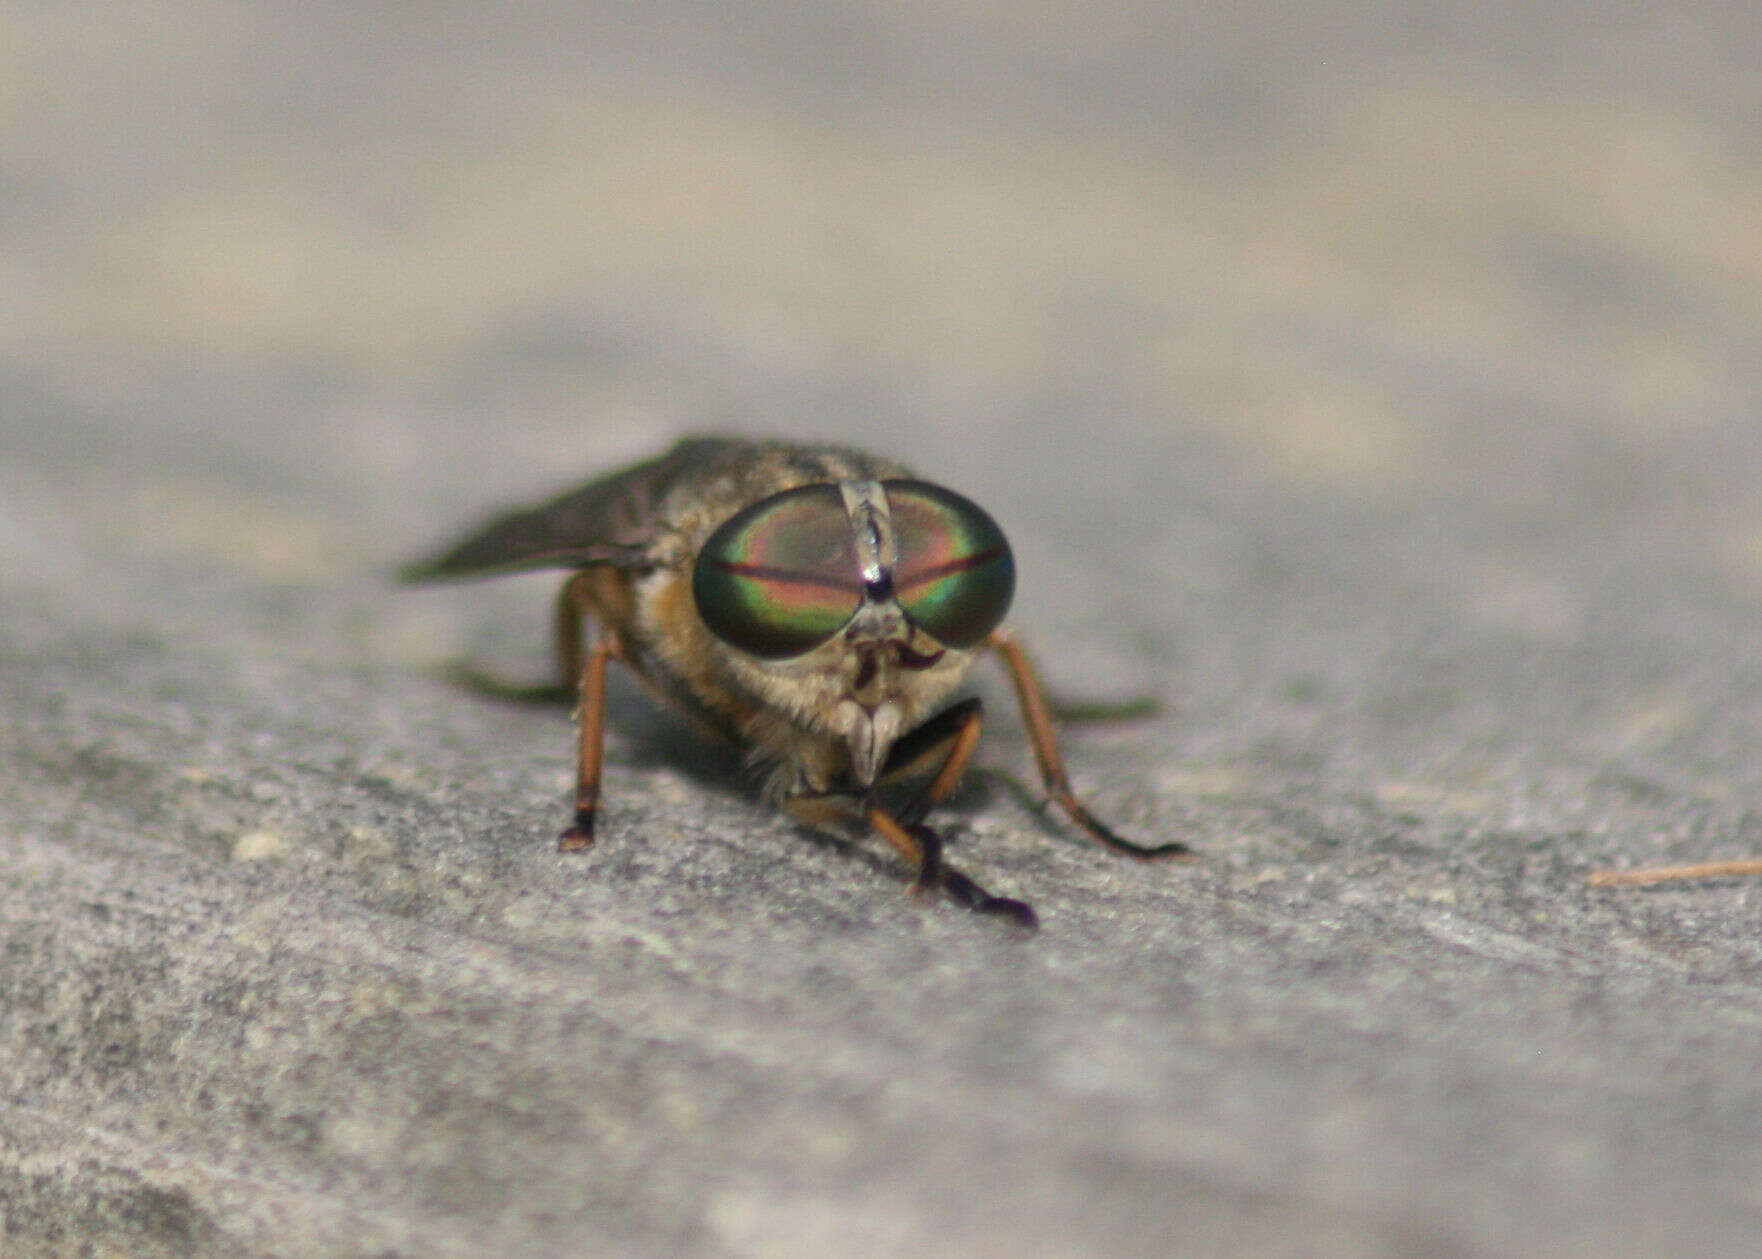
1137,275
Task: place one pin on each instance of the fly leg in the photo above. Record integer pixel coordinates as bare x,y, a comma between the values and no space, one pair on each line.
945,742
922,847
589,672
919,845
1043,736
952,734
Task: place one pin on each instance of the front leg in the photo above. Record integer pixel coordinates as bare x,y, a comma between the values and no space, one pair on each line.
919,845
941,748
922,847
1044,737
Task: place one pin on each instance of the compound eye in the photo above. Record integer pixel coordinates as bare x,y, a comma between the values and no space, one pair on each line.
780,577
955,575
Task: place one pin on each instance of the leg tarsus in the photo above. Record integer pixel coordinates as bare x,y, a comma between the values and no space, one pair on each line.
1043,736
969,895
1099,831
921,845
579,836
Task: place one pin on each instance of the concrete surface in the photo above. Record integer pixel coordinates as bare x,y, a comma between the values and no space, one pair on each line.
1377,386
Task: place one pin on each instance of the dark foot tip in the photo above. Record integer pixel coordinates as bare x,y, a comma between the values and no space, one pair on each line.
1018,915
577,838
963,891
1160,852
1106,835
1176,851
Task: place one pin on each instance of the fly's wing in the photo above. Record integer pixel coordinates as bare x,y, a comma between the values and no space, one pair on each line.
609,521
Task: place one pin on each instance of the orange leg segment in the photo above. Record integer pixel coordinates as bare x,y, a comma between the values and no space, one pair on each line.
589,676
966,740
590,716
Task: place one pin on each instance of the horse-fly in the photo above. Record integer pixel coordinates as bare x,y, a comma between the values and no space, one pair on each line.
810,604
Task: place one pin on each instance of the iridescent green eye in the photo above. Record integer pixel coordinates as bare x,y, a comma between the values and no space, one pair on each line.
955,574
780,577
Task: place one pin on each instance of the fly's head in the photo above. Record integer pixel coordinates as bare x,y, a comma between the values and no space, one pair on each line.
854,606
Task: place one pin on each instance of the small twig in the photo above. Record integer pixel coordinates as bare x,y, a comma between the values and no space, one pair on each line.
1670,874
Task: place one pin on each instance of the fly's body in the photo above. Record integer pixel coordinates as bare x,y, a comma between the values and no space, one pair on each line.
811,604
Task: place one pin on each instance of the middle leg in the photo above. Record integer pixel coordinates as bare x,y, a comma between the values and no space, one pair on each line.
1044,736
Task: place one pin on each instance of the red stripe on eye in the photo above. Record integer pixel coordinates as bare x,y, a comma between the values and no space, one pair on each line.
787,576
951,567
